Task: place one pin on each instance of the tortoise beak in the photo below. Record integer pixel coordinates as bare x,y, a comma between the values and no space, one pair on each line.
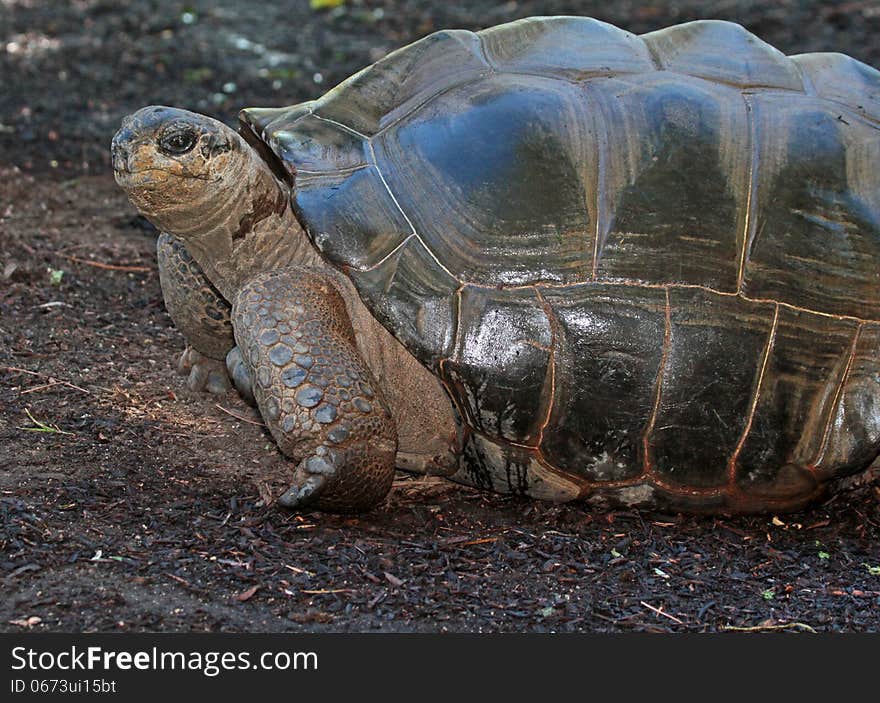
120,151
137,128
127,158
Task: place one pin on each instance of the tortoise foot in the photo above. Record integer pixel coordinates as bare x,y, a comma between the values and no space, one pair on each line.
241,376
314,391
203,373
356,478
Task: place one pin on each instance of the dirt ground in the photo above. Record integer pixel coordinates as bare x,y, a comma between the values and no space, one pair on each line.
138,506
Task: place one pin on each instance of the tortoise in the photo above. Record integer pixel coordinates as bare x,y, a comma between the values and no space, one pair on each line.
551,258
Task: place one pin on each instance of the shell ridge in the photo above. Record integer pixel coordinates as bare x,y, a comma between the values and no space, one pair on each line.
384,128
344,127
682,286
750,225
483,53
551,366
753,403
838,396
600,229
653,54
394,252
648,432
334,172
405,216
809,86
456,333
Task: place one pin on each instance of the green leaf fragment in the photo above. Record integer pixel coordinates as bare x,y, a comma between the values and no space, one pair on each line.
42,426
324,4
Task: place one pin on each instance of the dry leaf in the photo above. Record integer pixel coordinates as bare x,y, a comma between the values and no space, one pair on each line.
393,580
248,594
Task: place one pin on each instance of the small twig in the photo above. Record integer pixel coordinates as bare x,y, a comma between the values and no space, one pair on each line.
297,570
52,379
758,628
43,387
102,265
238,417
180,580
659,611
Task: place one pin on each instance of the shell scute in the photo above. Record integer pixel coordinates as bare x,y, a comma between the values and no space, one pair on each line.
723,51
500,368
392,86
854,429
413,296
816,208
600,409
316,145
492,179
796,401
841,78
667,133
573,47
350,216
266,121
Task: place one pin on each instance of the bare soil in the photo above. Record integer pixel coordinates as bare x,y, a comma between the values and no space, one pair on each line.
138,506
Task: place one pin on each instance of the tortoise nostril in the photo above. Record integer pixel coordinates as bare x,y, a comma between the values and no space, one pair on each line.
119,155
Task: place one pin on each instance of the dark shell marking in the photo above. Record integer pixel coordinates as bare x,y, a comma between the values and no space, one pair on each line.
646,268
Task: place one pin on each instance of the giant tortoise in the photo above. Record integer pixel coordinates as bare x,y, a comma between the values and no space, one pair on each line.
551,258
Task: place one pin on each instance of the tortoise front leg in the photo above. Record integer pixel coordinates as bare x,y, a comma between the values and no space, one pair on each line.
315,392
199,312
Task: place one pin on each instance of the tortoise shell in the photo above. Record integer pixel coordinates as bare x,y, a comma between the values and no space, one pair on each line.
644,267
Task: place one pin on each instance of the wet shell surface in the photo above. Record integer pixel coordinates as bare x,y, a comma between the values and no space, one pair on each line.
644,267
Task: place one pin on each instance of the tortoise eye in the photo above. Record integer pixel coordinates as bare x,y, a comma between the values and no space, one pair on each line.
177,141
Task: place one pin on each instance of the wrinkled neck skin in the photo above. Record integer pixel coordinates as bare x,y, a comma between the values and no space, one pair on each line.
239,224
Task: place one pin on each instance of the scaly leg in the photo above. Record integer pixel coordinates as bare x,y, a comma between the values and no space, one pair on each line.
315,392
199,312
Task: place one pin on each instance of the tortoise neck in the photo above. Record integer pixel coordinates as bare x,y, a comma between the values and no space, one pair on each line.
246,227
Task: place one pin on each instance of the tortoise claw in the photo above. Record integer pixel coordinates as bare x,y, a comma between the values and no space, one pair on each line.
313,474
305,494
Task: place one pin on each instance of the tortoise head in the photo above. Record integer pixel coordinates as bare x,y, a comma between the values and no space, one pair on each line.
173,163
